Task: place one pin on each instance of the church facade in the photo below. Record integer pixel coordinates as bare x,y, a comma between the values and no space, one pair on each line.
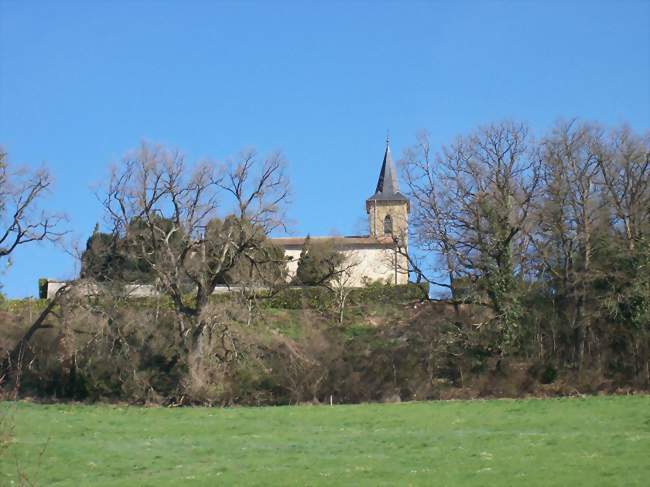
373,257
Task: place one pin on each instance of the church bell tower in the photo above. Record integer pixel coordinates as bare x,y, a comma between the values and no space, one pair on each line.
388,209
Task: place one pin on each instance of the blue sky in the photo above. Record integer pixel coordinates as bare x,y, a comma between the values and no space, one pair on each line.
83,82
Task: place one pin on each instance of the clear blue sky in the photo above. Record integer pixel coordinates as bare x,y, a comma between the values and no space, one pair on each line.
83,82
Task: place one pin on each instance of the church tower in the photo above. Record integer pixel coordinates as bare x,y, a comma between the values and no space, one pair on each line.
388,208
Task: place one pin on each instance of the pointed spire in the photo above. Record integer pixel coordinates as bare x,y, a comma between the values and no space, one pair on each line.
387,184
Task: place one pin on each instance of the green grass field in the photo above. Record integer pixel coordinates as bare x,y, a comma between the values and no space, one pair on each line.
592,441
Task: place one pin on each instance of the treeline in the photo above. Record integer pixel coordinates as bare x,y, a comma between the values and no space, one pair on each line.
536,253
552,235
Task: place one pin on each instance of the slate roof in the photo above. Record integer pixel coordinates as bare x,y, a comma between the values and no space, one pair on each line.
387,184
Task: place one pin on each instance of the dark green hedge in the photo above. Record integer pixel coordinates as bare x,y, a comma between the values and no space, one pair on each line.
316,297
321,298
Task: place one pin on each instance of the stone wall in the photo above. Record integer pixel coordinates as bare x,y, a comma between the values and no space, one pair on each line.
131,290
377,211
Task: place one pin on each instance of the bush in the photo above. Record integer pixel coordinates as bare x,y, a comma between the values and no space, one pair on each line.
321,299
42,288
544,373
318,262
317,298
549,374
388,293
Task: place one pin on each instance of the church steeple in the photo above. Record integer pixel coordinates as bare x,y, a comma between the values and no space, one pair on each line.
387,184
388,208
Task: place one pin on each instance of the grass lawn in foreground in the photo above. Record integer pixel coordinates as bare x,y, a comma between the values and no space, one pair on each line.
591,441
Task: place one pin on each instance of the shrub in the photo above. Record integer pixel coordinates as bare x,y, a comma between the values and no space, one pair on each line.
318,262
42,288
549,374
544,373
321,299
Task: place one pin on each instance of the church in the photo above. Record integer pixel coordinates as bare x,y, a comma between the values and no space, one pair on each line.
368,258
374,257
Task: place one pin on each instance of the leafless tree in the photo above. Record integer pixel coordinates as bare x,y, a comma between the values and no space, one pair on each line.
430,224
342,282
193,226
471,206
22,221
623,160
568,212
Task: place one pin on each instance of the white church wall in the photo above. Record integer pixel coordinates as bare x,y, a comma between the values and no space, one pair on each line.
292,265
371,264
367,264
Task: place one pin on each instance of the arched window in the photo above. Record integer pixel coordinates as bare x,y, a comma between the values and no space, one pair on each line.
388,225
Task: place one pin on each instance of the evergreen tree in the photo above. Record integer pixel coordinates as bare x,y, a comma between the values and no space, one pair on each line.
319,262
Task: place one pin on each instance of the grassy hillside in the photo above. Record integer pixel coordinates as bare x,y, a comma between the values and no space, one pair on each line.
593,441
291,349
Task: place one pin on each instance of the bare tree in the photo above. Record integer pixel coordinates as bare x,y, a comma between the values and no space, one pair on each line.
568,212
471,207
21,219
22,222
624,163
326,263
12,363
194,226
341,283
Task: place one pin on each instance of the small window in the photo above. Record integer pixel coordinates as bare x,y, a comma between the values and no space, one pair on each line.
388,225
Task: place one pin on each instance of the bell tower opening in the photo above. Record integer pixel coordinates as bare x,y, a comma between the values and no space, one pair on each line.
388,225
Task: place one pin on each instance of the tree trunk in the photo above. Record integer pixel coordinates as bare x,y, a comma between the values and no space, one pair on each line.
13,361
